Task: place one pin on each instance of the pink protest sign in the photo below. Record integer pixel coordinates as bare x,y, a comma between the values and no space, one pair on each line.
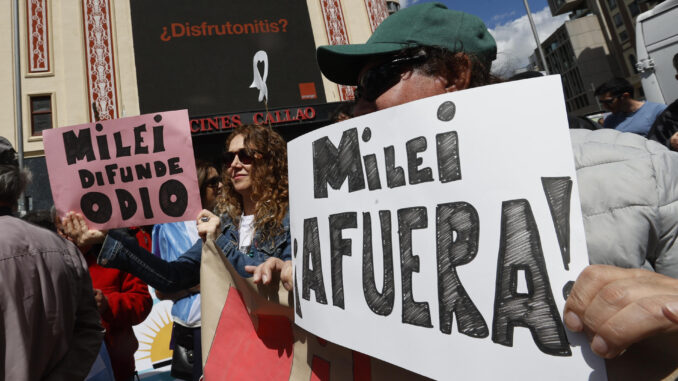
125,172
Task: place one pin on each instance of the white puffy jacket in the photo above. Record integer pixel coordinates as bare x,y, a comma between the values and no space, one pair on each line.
629,194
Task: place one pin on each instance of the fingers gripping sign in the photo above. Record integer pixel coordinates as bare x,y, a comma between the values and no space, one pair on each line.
272,269
208,225
74,227
621,306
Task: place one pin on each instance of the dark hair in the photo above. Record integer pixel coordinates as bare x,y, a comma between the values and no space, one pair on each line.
443,62
342,112
675,61
13,181
616,87
202,169
269,181
42,218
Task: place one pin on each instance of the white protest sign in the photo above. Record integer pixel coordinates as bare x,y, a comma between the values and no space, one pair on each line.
441,235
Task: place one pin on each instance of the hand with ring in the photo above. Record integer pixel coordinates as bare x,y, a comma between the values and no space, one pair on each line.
208,225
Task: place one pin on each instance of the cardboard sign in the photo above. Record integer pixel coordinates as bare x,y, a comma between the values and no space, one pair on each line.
443,235
125,172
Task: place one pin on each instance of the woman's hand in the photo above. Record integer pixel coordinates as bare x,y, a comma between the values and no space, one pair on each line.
264,272
74,228
208,225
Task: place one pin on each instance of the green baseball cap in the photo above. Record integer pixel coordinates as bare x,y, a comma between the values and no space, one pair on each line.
427,24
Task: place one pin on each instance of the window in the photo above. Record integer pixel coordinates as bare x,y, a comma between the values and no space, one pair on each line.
41,114
612,4
623,36
618,20
633,9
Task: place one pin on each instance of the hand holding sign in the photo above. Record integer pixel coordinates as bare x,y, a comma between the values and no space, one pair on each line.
621,306
75,228
272,269
413,228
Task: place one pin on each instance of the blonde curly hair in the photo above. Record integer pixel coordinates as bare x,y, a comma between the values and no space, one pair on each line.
269,181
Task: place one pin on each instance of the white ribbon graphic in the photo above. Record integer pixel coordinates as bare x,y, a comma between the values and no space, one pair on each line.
258,82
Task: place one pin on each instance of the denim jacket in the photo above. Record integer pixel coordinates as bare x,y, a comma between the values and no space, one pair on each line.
122,252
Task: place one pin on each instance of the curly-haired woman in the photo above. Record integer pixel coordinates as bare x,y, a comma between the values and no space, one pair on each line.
253,226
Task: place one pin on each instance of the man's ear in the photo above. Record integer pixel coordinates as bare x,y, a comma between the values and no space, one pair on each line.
460,78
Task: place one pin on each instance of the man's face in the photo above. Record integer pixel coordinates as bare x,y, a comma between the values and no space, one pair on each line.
386,85
611,102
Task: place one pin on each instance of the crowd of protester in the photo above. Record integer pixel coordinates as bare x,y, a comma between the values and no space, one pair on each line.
629,293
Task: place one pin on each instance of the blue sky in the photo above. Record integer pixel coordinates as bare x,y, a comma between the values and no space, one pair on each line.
508,23
494,12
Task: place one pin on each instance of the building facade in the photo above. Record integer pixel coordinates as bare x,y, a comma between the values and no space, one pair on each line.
577,51
617,20
88,60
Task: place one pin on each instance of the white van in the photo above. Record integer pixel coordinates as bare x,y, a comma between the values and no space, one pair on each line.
656,44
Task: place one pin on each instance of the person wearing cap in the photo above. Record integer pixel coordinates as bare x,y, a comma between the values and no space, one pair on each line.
426,50
418,52
50,325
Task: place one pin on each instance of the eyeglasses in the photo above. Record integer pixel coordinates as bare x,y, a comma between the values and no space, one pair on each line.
245,156
378,79
212,182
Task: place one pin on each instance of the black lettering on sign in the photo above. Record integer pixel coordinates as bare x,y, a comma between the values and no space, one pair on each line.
102,143
558,191
333,165
447,145
520,252
110,173
415,313
297,302
169,189
146,202
395,176
174,168
126,174
78,147
372,172
86,178
121,150
381,303
339,247
160,168
139,148
312,279
460,219
416,175
127,204
96,207
143,171
371,169
100,178
158,139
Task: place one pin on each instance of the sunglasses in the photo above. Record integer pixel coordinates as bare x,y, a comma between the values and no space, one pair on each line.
212,182
378,79
245,156
609,101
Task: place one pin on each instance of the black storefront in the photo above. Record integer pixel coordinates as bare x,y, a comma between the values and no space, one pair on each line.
229,63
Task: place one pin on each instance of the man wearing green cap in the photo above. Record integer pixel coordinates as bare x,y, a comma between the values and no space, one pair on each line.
426,50
418,52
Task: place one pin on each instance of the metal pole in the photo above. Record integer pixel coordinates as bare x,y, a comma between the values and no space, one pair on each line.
536,37
18,97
